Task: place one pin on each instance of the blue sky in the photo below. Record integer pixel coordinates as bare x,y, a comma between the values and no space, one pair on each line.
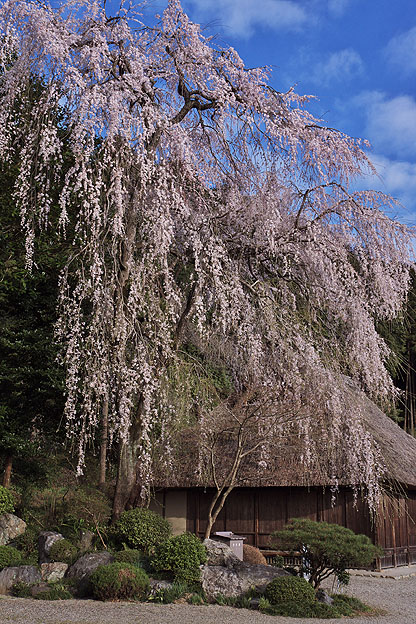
357,56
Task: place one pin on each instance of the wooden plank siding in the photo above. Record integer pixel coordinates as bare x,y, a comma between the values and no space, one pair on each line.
258,512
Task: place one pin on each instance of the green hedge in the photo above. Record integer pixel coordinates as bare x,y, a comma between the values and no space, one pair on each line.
141,529
285,589
181,555
119,581
9,556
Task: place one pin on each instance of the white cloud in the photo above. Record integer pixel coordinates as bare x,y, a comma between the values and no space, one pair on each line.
390,123
341,65
401,51
241,17
398,179
338,7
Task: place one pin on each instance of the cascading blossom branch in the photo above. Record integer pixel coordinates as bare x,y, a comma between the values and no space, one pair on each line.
196,196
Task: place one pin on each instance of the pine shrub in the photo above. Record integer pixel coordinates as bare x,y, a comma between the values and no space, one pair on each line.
141,529
326,548
9,556
6,501
119,581
63,551
289,588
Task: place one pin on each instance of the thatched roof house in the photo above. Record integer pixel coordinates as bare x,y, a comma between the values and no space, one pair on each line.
266,499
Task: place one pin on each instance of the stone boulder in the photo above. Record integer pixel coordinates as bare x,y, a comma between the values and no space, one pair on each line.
82,569
234,581
25,574
219,554
86,541
225,574
157,586
322,596
53,571
10,527
45,541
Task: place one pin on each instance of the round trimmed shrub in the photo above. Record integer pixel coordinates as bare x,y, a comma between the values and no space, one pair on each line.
63,551
9,556
253,555
119,581
130,555
289,589
141,529
180,554
6,501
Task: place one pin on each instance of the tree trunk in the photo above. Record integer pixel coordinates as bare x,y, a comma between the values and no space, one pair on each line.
103,447
7,470
126,484
217,504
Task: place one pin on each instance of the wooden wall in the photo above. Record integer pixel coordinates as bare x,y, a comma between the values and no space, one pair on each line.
396,530
257,512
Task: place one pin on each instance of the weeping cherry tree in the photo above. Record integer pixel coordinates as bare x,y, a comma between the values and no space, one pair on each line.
197,199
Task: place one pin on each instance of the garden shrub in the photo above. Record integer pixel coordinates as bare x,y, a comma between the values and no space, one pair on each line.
130,555
289,588
326,548
170,594
301,610
142,529
225,601
243,602
20,589
9,556
6,501
119,581
349,605
182,555
63,550
27,545
253,555
196,599
56,591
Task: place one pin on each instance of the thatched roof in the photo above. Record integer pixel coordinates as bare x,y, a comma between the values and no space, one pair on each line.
397,447
287,465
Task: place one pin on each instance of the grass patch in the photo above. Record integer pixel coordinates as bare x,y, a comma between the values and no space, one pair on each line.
342,606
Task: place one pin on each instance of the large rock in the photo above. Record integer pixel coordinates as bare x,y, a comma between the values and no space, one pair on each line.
10,576
53,571
45,541
233,581
10,527
219,554
157,586
322,596
82,569
86,541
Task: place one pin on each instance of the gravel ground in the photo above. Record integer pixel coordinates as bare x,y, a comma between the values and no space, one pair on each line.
396,596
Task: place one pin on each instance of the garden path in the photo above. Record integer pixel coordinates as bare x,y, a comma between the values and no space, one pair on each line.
397,596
